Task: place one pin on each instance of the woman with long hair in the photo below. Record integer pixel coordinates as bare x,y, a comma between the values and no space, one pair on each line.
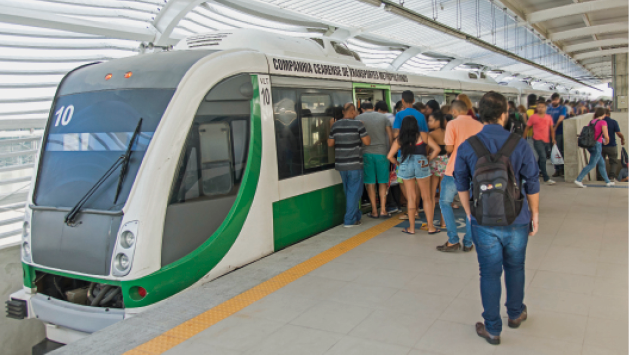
437,126
414,168
522,112
596,158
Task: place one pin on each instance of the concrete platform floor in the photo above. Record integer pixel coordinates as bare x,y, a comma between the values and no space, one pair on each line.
395,294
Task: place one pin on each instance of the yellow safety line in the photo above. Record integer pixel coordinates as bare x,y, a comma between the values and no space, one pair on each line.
189,328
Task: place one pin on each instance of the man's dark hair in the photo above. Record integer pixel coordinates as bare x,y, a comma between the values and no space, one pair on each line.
419,106
541,103
459,106
554,96
531,99
366,105
434,105
408,96
492,106
512,104
382,106
398,106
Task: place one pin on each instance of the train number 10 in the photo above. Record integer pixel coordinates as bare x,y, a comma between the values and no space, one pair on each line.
64,114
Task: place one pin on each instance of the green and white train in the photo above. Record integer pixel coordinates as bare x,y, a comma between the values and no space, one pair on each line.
165,170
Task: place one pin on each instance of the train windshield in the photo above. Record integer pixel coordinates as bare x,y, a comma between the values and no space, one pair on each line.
87,133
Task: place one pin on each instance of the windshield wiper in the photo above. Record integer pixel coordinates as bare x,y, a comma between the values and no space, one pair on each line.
123,160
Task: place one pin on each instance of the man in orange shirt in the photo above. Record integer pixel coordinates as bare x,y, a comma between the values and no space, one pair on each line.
542,126
457,131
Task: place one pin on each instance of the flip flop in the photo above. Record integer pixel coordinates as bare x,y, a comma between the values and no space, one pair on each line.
404,217
371,216
385,216
424,227
435,232
407,232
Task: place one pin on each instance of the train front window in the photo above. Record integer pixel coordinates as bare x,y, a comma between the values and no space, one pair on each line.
87,133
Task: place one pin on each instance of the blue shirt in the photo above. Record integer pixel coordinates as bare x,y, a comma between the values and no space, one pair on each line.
523,161
612,128
421,120
555,112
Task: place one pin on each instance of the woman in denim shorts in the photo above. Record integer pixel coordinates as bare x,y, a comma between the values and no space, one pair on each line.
414,168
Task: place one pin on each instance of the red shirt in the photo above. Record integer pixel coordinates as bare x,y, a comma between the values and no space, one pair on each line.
541,127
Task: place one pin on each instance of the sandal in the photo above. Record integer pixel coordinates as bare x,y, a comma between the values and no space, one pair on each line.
372,216
385,216
405,230
435,232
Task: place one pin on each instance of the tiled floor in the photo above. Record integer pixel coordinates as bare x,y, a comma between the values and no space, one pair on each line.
396,295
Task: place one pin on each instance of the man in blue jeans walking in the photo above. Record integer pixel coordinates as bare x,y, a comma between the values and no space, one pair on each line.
347,135
504,247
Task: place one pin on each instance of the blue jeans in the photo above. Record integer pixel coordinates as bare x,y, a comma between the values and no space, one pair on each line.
541,148
498,248
596,158
353,188
446,196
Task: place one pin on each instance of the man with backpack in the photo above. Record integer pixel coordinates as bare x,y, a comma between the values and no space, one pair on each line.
503,213
515,123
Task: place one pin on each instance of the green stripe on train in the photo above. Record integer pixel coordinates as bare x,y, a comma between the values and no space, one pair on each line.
183,273
300,217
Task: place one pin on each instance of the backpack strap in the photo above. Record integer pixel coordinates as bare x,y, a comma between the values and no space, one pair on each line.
478,146
510,145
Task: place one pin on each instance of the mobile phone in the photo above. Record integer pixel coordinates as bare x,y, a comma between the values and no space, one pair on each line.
531,227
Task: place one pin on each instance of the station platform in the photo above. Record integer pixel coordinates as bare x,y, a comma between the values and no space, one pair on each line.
375,290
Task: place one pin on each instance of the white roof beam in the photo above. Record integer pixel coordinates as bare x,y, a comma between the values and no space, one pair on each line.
574,9
588,31
599,65
404,57
597,54
170,16
67,23
452,64
596,44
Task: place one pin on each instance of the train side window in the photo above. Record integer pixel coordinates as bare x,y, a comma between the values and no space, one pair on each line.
287,133
216,158
316,114
240,137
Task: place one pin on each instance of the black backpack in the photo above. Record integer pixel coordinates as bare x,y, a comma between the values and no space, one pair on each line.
517,125
496,196
586,138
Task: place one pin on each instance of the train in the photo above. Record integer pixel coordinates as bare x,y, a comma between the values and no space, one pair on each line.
165,170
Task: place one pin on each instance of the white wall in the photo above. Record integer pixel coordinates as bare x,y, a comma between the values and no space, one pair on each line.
17,337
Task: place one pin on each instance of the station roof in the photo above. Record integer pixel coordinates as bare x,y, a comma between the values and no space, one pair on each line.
562,42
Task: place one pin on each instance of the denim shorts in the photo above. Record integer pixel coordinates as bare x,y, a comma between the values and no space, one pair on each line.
414,167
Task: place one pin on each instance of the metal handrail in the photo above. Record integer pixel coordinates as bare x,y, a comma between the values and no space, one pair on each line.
20,140
16,167
17,154
15,180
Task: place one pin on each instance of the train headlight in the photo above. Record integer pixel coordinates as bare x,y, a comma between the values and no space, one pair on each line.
26,230
122,262
127,239
26,249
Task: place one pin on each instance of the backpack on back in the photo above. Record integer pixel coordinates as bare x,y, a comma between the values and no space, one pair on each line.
496,196
517,125
586,138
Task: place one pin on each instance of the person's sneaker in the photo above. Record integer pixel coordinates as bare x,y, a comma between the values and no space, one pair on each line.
352,225
392,210
514,323
483,333
557,174
579,184
610,184
466,249
550,182
447,248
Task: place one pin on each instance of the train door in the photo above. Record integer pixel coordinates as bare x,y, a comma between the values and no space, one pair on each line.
450,95
372,93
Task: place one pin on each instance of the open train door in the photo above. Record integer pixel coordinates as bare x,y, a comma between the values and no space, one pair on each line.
373,93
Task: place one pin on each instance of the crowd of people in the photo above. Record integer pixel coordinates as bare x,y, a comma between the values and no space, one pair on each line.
482,155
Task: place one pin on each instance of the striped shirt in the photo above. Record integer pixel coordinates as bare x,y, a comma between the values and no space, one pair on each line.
347,134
